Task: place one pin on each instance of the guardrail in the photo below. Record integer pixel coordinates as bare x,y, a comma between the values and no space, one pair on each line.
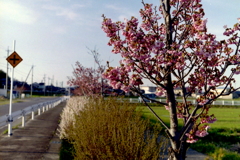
36,109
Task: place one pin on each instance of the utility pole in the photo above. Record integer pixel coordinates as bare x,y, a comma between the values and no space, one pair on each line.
48,85
7,74
52,84
25,81
44,81
53,80
32,81
48,80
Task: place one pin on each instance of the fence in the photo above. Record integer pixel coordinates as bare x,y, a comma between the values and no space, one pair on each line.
193,101
31,110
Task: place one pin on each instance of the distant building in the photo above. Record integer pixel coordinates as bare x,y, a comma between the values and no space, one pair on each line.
233,95
178,92
230,96
41,86
149,89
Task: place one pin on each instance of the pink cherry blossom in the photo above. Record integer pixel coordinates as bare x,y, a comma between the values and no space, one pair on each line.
191,138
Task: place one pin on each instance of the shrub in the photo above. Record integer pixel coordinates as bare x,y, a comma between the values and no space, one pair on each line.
66,150
107,129
206,148
223,154
74,106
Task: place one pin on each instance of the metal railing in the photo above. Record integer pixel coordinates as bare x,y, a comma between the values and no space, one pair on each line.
36,109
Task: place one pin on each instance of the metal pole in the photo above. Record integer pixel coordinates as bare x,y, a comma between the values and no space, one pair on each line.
10,120
32,82
32,113
23,118
39,111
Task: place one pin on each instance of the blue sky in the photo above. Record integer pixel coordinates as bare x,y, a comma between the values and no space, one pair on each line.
53,34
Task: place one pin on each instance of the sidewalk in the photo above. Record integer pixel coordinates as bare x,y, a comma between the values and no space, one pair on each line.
37,140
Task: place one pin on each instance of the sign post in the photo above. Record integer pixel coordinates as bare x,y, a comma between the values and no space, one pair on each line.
14,59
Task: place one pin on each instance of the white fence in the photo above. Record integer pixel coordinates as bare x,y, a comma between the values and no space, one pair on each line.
34,109
218,102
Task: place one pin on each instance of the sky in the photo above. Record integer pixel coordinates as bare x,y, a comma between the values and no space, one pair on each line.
52,35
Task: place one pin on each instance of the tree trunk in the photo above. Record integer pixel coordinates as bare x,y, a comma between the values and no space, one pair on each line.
179,154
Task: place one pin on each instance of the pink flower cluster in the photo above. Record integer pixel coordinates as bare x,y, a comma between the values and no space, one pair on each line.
200,132
191,138
87,80
208,119
231,31
160,91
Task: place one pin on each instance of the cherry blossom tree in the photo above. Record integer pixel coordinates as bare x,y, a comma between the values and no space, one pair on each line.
172,48
88,81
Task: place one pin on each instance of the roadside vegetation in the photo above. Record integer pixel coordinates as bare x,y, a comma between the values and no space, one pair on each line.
107,129
6,101
220,144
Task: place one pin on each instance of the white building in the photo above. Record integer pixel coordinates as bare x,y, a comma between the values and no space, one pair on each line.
148,89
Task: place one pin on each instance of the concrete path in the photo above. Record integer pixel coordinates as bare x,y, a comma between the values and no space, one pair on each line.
37,140
194,155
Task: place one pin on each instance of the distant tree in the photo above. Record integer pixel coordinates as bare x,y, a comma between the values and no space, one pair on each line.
88,81
2,74
175,53
3,79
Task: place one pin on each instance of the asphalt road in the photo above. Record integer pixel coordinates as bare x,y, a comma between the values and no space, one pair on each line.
16,110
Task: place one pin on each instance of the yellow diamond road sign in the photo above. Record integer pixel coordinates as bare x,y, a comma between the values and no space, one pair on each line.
14,59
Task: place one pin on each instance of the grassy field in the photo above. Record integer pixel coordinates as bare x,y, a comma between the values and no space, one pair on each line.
226,117
223,141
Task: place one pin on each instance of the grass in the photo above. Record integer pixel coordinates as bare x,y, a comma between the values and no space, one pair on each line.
6,101
222,135
160,111
226,117
219,144
14,127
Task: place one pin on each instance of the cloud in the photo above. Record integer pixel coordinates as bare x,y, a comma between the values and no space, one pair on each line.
68,13
13,11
